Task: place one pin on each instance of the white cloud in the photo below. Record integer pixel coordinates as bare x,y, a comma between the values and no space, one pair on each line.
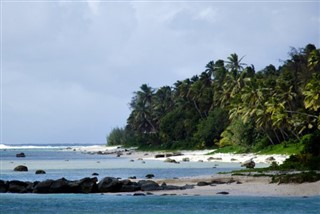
69,69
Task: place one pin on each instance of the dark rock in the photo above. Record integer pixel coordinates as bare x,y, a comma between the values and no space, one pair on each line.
168,155
233,159
212,158
133,177
3,186
20,155
43,186
149,176
185,159
87,185
249,164
203,183
95,174
270,159
218,182
147,185
109,184
21,168
169,160
159,156
139,194
223,193
188,186
61,185
40,171
17,186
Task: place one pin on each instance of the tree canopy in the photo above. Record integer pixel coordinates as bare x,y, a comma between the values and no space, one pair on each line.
229,103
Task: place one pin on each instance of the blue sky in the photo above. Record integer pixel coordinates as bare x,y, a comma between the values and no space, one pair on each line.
69,68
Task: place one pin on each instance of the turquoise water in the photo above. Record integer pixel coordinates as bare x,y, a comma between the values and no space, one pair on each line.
96,203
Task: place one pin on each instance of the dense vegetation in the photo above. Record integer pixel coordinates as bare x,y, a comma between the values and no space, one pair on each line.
230,103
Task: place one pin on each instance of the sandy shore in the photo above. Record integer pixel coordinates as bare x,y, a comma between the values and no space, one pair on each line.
192,156
240,185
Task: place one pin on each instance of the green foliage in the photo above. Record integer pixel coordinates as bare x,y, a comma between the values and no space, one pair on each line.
229,103
117,136
310,176
238,133
288,148
210,129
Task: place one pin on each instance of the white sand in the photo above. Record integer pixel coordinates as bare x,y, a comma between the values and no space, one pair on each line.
193,156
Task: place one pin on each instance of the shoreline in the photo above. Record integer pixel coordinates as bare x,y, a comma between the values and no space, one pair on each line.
183,155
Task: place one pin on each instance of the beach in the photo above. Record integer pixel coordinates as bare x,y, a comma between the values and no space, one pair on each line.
218,183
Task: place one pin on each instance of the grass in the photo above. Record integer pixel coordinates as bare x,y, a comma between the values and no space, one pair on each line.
283,148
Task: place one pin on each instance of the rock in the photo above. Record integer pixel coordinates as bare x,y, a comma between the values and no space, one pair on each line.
203,183
169,160
200,161
40,171
95,174
133,177
168,155
87,185
147,185
3,186
20,155
17,186
249,164
139,159
149,176
212,158
43,186
21,168
270,159
139,194
131,160
61,185
109,184
129,186
185,159
223,193
233,159
159,156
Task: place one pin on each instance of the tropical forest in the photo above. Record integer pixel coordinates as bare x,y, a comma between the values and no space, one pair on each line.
234,108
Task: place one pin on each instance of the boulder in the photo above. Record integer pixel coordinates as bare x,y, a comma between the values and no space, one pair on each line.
249,164
203,183
129,186
21,168
17,187
169,160
185,159
149,176
86,185
139,194
147,185
109,184
61,185
43,186
3,186
40,171
223,193
20,155
270,159
95,174
159,156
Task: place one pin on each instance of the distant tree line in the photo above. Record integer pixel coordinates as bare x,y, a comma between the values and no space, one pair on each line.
229,103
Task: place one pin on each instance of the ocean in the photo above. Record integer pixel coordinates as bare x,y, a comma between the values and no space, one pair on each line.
59,162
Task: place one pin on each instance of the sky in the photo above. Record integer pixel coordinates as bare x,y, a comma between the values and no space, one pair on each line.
69,68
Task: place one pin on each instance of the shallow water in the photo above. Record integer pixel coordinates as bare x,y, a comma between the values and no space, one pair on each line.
60,163
96,203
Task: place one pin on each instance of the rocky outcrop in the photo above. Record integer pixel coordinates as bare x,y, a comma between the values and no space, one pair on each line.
250,164
20,155
21,168
85,185
40,171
